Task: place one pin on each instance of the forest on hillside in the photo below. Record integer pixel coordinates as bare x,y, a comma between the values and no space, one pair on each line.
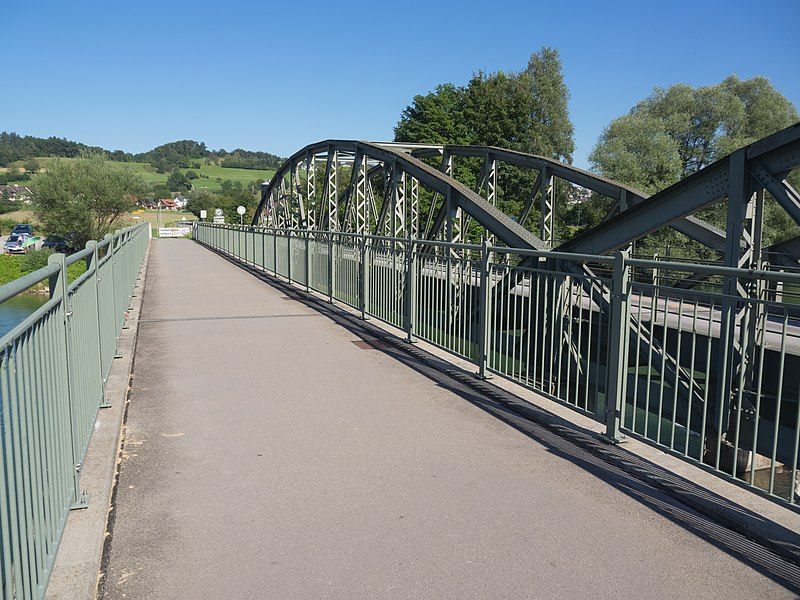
165,158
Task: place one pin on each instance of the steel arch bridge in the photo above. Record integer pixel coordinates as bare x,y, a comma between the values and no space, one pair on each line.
376,188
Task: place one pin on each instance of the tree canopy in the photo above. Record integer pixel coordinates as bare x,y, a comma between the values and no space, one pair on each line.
525,111
14,147
84,198
231,195
679,130
178,182
165,158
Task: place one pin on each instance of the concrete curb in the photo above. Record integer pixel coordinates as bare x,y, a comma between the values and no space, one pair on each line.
77,564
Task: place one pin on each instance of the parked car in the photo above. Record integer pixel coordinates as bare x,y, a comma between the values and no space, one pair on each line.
26,228
57,243
14,243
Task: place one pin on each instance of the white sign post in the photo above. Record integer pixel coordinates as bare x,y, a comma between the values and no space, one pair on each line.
241,210
219,216
203,213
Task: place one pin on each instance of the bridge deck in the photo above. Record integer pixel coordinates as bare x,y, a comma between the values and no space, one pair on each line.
267,455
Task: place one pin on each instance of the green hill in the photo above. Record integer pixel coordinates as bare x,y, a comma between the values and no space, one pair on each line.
210,177
212,167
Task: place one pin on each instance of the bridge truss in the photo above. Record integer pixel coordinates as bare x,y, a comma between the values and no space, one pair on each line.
375,188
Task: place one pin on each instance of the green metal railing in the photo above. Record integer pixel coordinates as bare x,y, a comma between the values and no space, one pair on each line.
682,362
53,368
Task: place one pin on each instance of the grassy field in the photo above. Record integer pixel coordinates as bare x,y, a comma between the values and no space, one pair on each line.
19,216
167,219
211,176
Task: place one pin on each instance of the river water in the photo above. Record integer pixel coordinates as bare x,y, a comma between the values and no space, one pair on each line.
15,310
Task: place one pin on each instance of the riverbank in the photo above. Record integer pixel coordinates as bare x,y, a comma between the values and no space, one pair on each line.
15,310
15,266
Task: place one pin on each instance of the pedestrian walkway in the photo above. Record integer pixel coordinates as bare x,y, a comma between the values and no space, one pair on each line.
270,453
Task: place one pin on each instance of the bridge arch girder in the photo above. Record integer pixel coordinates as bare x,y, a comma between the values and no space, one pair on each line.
367,159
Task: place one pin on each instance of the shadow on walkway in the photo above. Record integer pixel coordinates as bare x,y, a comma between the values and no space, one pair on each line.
763,545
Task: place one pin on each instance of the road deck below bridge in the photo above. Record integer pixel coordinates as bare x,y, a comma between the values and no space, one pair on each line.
267,455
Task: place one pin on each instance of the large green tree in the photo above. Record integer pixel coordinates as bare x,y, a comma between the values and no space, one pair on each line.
436,118
178,182
525,111
84,198
551,131
201,199
679,130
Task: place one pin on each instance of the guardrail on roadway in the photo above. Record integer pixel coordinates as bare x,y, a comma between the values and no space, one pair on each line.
53,368
703,372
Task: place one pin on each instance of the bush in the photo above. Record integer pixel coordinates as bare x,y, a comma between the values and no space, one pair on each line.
14,267
33,261
9,268
75,270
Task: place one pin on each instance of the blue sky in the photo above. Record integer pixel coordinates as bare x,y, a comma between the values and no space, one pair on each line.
277,76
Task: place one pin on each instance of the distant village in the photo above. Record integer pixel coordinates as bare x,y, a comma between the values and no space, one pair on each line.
179,202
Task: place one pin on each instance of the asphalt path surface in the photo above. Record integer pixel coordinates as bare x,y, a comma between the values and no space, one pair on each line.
267,455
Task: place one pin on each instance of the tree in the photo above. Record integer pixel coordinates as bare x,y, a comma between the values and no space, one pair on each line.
85,198
31,165
233,194
525,111
696,125
551,131
638,150
178,182
678,131
436,118
202,200
158,191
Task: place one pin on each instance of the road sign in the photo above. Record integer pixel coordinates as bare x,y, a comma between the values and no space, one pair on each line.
203,213
241,210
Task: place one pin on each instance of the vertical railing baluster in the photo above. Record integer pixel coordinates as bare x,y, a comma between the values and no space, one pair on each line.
618,347
483,309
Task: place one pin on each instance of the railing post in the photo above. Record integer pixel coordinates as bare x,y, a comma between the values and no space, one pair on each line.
308,261
289,255
483,312
92,262
114,285
411,290
364,278
130,271
59,289
617,347
331,267
275,252
263,238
